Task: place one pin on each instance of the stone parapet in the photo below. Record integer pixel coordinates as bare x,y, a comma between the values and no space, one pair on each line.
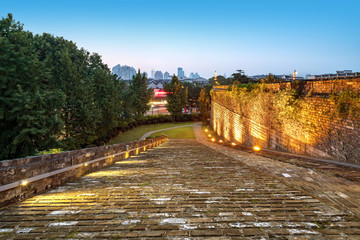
24,177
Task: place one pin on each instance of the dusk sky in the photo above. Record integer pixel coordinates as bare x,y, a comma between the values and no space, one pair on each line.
259,37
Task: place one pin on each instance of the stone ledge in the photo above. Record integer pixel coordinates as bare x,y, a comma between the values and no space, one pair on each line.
78,162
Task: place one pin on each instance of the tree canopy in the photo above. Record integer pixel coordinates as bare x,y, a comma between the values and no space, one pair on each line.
53,94
176,98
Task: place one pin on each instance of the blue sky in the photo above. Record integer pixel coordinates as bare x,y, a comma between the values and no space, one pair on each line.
203,36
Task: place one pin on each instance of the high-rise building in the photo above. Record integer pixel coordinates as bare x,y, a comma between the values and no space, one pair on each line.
158,75
167,76
181,73
194,75
152,73
124,72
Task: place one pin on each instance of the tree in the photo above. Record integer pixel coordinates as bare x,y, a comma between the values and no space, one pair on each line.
204,104
193,93
140,95
270,79
221,80
29,108
240,77
176,98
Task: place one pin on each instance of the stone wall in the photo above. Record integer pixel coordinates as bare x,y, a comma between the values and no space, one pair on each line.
46,171
318,130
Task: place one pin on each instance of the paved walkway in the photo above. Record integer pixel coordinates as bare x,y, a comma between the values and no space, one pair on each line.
160,130
335,185
180,190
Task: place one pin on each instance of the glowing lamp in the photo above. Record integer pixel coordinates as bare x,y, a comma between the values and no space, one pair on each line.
24,183
213,139
209,135
220,141
206,130
234,144
256,148
86,164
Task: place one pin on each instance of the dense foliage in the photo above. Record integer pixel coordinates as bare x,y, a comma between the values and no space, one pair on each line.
54,94
176,98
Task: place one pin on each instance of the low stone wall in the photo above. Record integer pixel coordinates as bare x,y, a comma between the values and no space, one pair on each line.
318,129
24,177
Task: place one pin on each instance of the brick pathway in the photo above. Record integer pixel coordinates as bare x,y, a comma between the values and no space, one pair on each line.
335,185
179,190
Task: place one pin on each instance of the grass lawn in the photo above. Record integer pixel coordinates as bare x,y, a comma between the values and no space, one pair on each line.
177,133
136,133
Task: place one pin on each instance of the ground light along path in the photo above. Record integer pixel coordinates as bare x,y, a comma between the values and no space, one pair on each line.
179,190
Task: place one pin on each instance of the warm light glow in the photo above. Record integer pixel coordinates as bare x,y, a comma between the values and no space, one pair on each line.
209,135
206,130
109,173
220,141
132,162
86,164
256,148
234,144
126,155
24,183
213,139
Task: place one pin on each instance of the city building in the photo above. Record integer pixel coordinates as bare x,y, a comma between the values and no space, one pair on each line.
194,75
167,76
181,73
152,73
283,77
200,80
338,74
155,84
158,75
124,72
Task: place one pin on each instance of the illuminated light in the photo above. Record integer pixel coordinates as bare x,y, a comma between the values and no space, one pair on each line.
234,144
137,151
86,164
24,183
256,148
126,155
220,141
213,139
209,135
206,130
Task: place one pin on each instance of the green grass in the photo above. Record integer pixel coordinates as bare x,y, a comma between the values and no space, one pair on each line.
177,133
136,133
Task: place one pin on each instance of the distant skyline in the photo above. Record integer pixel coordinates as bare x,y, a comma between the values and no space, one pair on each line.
259,37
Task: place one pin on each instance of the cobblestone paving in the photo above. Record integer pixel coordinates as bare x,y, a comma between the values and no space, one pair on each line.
329,182
179,190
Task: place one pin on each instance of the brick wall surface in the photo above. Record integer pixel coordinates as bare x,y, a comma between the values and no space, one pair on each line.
16,170
330,135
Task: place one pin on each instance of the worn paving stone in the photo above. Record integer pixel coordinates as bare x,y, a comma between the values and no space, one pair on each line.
179,190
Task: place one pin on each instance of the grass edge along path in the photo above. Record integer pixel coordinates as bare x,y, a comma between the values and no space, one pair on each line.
136,133
183,132
161,130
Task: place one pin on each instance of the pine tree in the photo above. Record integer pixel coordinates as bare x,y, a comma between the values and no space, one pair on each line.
140,95
176,98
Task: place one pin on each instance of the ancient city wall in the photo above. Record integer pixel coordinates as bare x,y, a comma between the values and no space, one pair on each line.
24,177
318,118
